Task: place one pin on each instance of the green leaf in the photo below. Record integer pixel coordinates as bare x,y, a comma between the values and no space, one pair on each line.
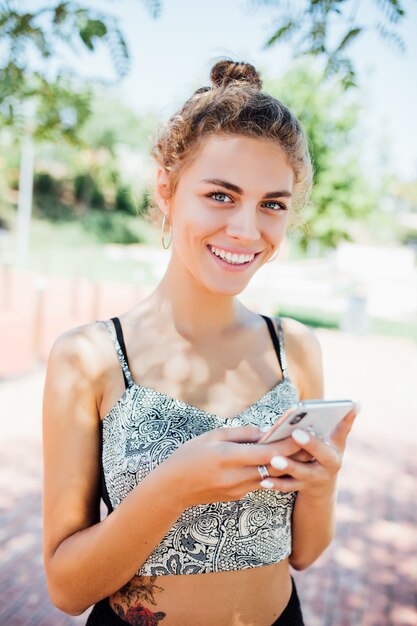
90,30
306,23
347,39
282,33
60,13
119,52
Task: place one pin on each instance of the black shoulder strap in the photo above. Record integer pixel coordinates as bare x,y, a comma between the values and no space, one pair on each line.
277,344
120,338
119,344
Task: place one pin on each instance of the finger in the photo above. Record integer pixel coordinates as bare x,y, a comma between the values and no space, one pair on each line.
342,430
281,466
237,434
302,455
281,484
323,452
261,454
248,481
285,447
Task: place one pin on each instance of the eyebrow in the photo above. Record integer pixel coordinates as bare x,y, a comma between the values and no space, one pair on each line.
224,183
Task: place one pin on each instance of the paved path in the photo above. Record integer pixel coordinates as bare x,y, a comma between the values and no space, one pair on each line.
367,577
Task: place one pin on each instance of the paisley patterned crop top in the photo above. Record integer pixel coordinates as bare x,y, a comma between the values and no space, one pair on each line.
145,426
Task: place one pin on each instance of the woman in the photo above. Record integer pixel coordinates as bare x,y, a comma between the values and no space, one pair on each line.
153,410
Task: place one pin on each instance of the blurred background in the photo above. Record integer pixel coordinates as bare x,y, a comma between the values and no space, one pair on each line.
83,88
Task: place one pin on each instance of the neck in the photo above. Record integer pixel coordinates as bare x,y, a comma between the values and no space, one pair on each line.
195,312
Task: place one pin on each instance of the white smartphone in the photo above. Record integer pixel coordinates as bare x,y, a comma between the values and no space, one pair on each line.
316,416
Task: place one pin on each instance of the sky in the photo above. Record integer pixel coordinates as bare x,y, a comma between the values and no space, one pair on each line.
172,56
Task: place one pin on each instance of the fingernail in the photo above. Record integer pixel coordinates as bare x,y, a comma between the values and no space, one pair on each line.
358,407
300,436
267,484
279,462
264,428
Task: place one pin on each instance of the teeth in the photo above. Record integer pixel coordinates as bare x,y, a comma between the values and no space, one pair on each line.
232,258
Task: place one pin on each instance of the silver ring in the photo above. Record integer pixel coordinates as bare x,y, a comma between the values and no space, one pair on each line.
263,472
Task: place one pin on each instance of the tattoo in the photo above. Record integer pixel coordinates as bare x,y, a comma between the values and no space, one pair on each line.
141,616
139,588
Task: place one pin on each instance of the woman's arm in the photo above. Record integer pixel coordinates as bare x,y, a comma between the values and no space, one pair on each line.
313,522
313,527
85,559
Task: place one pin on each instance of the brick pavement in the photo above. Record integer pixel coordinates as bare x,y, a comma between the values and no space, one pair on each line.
367,577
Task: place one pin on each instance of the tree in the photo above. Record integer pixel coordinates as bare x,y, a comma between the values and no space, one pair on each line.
340,192
41,106
308,24
58,105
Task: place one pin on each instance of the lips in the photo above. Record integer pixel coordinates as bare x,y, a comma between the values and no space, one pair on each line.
234,267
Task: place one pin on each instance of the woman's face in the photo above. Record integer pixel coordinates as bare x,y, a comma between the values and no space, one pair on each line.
233,197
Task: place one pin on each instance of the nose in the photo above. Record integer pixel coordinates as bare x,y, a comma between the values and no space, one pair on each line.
243,224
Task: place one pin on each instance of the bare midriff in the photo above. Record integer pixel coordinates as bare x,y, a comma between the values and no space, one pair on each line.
249,597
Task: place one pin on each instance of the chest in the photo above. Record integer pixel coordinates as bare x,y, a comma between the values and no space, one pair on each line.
221,380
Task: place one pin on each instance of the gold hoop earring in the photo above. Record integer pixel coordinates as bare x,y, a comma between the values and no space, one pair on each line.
275,256
163,233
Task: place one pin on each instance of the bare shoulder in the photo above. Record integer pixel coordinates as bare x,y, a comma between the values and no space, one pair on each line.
71,434
304,355
80,347
299,337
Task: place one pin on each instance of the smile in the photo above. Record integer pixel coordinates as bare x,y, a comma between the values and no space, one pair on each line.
232,261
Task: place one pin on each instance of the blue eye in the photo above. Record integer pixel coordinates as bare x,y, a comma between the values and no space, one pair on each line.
218,193
279,204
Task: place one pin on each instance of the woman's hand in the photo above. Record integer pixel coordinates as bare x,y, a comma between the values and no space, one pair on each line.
316,477
217,466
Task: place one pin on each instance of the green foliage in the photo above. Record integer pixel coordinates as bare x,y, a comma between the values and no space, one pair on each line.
90,30
48,202
44,183
112,122
112,227
144,203
324,319
51,208
57,109
307,24
82,200
311,317
124,201
87,190
62,108
340,193
53,107
119,224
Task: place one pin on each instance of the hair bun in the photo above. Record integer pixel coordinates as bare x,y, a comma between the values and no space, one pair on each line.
225,72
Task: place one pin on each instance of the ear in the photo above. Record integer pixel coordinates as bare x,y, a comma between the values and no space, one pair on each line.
162,189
